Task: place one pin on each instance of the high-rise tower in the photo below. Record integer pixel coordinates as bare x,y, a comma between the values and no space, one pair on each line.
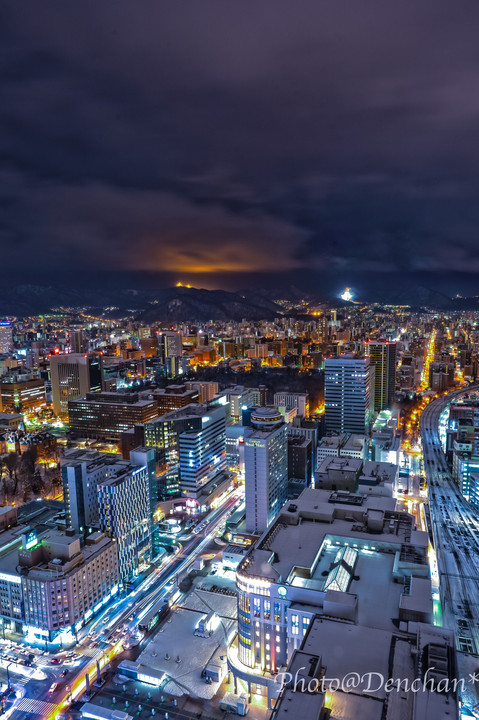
383,357
349,394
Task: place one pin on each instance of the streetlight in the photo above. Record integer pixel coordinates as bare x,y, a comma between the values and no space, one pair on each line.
8,676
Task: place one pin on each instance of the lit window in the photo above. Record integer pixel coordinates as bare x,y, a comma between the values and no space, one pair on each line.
295,624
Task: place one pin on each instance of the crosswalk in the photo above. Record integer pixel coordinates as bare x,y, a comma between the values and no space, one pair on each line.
91,652
35,707
22,680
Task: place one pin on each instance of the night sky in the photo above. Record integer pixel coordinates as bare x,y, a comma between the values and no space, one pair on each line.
218,137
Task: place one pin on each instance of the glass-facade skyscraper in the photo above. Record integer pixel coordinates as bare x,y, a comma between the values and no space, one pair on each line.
349,394
382,355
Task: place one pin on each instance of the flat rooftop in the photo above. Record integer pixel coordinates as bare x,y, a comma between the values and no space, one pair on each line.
112,398
43,570
11,542
381,471
354,443
191,410
119,474
176,639
345,650
94,460
262,434
173,390
40,511
345,464
236,431
300,705
91,710
299,548
332,441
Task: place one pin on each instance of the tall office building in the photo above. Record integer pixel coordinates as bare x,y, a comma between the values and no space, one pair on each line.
64,581
265,467
73,376
82,471
206,390
76,340
173,397
19,395
145,457
125,514
163,436
202,453
80,495
117,496
383,357
349,394
109,414
170,345
6,337
299,400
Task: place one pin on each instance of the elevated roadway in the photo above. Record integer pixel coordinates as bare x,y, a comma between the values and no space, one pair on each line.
455,529
455,559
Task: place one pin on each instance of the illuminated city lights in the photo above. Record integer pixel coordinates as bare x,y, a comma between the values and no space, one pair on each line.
229,484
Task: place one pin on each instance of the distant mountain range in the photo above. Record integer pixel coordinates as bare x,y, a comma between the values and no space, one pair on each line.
171,304
145,296
176,304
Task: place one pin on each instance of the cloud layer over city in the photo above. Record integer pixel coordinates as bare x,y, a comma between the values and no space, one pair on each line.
219,137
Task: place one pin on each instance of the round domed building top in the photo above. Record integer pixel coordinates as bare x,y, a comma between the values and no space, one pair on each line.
266,418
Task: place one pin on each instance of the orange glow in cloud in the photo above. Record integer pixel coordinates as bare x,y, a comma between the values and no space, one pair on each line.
190,240
239,257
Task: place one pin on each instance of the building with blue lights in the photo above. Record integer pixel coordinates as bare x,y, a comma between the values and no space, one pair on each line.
56,581
125,515
349,394
117,497
202,453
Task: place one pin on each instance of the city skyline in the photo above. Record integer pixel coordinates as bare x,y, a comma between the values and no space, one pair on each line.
239,360
237,495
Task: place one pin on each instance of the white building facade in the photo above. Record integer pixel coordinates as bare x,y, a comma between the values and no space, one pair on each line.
349,394
266,468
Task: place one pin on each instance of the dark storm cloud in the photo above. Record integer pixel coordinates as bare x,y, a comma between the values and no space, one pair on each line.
223,136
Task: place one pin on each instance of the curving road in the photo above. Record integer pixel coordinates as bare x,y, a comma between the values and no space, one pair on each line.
37,702
455,529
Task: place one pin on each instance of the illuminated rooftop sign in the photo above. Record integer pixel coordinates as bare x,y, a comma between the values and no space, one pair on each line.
29,540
